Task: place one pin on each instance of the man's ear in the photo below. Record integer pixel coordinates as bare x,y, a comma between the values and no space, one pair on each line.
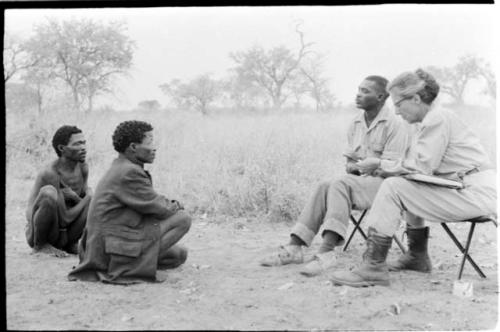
132,146
60,147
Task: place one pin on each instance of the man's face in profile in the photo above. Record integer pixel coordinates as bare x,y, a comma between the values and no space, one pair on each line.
368,95
146,150
75,149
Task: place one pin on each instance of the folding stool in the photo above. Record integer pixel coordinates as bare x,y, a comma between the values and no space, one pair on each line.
357,227
465,251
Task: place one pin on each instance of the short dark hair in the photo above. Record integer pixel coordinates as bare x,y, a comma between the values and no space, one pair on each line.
381,83
63,135
129,132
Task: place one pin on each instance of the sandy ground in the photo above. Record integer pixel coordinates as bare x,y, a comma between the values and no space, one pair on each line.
221,286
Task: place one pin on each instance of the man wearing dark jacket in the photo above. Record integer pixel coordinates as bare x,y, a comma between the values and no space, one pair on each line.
131,230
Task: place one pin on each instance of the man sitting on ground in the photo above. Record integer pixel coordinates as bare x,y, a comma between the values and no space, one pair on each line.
132,230
59,200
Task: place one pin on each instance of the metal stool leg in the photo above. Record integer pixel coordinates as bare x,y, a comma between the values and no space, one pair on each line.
356,228
357,224
465,251
400,245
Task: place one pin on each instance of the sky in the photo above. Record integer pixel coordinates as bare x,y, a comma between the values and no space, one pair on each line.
183,42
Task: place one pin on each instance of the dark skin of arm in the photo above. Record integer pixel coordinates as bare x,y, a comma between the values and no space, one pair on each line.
75,185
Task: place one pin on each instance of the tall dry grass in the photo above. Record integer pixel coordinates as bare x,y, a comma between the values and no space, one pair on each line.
261,166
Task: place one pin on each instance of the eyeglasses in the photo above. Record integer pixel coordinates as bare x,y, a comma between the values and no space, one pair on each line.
398,103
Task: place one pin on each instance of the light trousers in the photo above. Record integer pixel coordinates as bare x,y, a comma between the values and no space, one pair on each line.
432,203
331,204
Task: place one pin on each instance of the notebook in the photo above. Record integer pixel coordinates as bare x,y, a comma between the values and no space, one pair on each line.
435,180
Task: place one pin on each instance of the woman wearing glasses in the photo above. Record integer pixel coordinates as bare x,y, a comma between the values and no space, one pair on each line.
443,146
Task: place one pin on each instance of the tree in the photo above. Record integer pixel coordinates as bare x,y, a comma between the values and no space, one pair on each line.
299,87
84,54
12,50
454,80
18,62
271,69
20,98
149,105
14,56
312,69
199,93
40,79
243,94
491,83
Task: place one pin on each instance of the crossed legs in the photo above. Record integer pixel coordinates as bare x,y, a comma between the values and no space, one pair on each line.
329,207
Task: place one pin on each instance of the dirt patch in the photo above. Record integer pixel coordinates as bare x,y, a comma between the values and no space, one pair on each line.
221,286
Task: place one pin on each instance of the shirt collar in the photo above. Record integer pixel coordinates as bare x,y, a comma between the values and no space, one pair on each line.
430,117
383,115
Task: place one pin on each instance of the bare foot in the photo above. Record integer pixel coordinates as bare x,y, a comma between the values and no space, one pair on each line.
50,250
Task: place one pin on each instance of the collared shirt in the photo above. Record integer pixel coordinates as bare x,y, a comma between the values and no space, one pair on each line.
387,137
444,145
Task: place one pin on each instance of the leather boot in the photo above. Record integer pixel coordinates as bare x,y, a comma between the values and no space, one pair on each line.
373,271
416,258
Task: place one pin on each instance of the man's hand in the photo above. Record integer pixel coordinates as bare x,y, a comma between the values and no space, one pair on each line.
70,195
368,165
177,204
352,168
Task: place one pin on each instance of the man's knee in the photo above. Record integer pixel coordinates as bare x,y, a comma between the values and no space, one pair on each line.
393,184
183,220
343,182
48,195
183,254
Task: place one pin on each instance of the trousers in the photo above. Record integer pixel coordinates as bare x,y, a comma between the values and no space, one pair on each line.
432,203
331,204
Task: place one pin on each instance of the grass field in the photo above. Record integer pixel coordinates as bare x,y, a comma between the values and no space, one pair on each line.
233,165
241,165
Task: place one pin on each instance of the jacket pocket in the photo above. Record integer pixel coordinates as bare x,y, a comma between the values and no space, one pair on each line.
124,247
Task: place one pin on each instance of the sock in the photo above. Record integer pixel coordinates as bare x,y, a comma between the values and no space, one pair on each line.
296,241
415,226
330,241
